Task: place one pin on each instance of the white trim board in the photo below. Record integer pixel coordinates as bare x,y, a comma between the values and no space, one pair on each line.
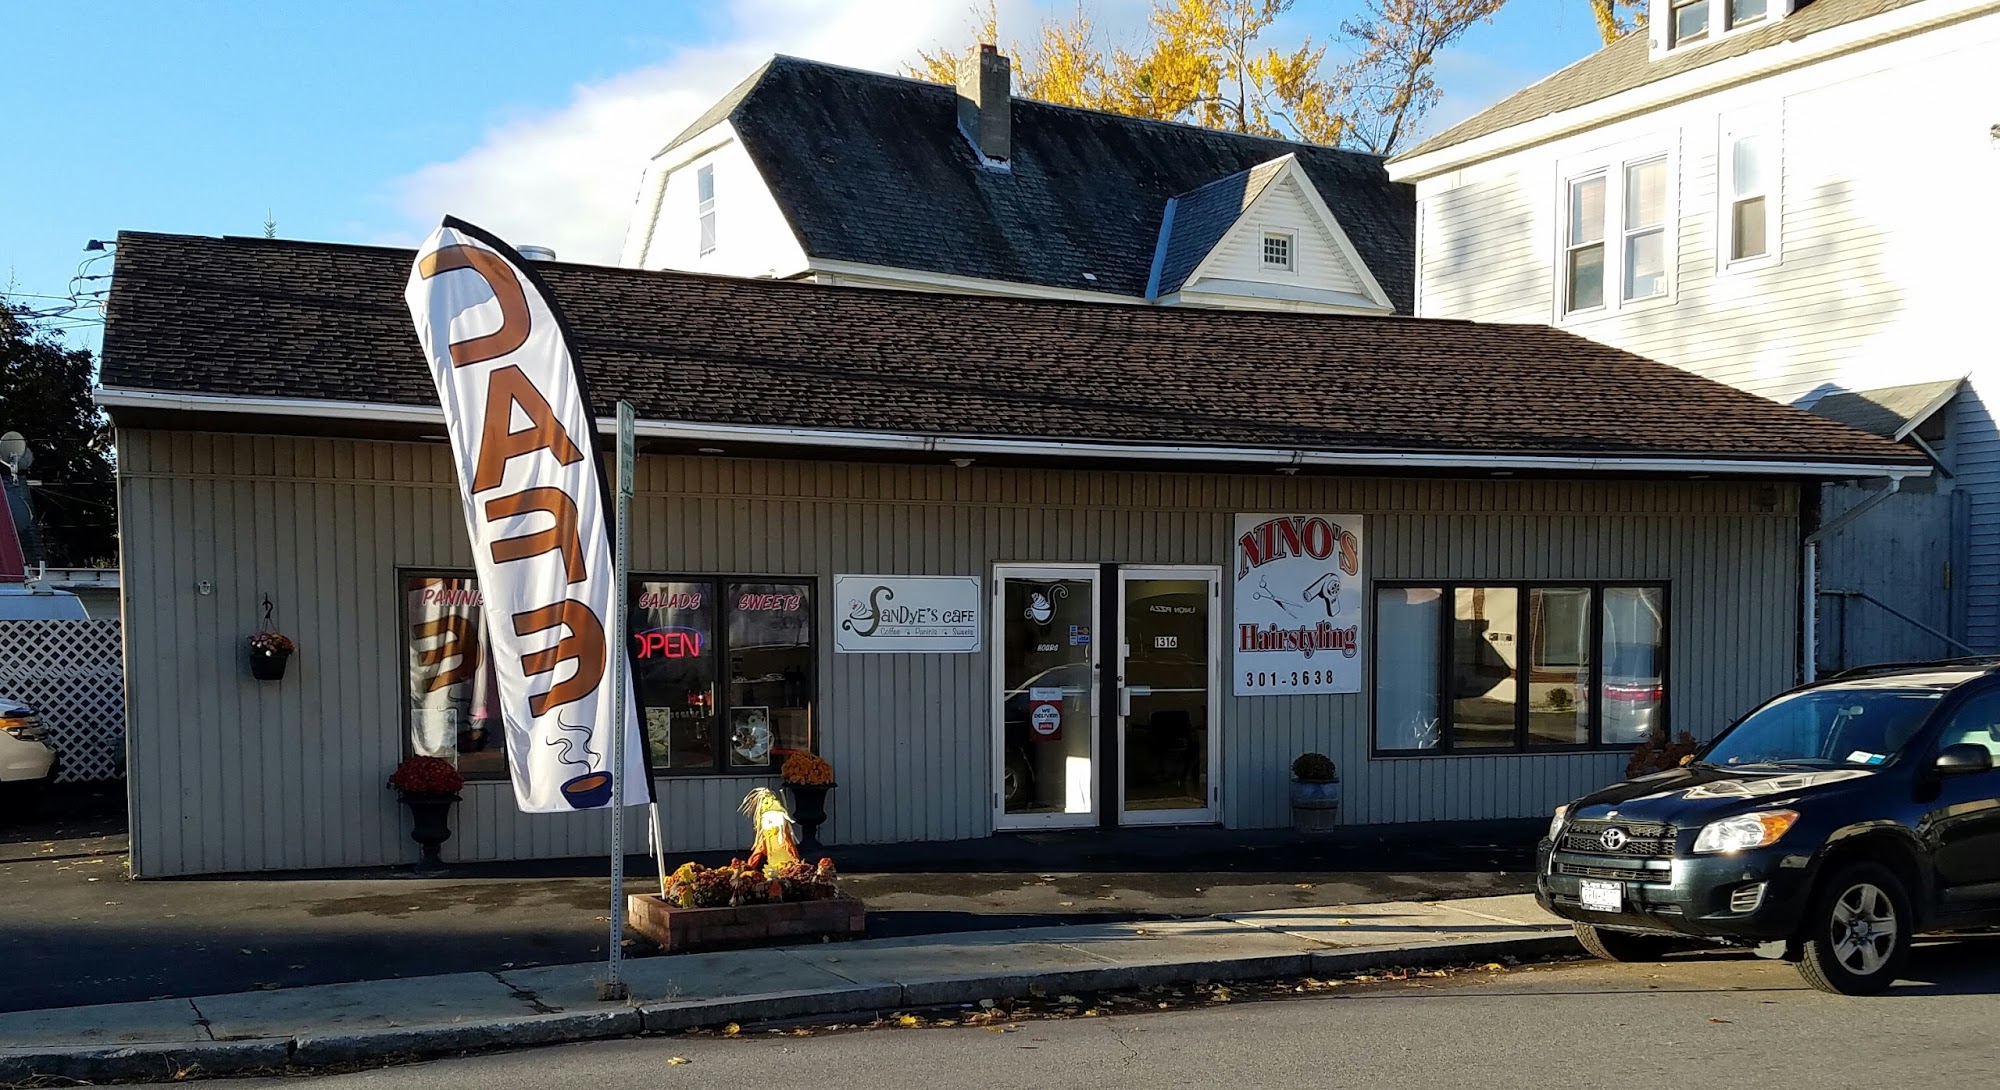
946,445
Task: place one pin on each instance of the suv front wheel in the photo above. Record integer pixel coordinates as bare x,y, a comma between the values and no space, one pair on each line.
1603,942
1858,932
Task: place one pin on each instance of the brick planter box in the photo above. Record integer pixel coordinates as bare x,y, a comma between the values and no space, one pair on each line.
678,930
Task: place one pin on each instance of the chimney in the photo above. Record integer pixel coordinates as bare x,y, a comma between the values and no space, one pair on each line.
985,102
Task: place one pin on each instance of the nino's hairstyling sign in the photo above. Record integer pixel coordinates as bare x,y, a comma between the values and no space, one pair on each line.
1298,604
524,442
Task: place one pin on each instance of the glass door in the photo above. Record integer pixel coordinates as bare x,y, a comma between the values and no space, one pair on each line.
1168,674
1045,715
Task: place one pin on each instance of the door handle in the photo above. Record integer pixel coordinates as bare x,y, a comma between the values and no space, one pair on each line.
1125,695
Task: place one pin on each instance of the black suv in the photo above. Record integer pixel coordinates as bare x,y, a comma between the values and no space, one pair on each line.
1828,827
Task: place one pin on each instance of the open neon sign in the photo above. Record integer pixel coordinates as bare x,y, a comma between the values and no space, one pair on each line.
669,643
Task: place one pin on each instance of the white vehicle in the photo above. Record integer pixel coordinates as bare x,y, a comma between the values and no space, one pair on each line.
26,762
19,603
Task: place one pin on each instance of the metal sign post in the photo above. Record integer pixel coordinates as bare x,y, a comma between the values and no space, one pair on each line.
614,986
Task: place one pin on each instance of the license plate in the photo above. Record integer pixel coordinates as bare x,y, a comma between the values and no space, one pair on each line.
1602,896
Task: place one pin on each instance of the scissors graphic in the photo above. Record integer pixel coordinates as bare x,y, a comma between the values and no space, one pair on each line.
1264,591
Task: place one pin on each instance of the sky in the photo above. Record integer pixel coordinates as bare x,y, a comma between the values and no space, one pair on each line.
366,120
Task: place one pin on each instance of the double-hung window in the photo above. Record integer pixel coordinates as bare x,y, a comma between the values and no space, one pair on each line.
1618,235
704,185
1746,187
1481,668
1689,21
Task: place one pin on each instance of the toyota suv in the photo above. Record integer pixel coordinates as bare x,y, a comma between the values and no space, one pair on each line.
1829,827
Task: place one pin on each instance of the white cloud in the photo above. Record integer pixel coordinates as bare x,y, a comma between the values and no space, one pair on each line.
567,178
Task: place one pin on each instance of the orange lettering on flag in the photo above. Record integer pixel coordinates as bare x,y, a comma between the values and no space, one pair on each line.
492,268
560,537
460,642
584,645
509,387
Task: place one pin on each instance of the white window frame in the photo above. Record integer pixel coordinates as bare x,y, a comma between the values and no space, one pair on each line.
1612,163
704,216
1291,237
1660,31
1766,130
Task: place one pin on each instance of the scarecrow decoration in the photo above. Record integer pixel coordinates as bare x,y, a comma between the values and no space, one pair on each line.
776,844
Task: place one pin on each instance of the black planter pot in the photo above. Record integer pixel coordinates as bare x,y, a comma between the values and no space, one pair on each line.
433,824
268,665
809,810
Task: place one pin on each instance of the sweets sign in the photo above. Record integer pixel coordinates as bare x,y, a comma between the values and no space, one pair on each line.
525,445
1298,604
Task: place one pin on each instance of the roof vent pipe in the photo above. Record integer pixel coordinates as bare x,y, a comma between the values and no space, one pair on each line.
536,253
986,103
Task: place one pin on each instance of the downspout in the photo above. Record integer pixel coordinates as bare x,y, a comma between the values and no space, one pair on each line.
1810,637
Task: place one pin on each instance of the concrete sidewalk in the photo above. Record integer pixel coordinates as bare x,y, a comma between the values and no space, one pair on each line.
426,1016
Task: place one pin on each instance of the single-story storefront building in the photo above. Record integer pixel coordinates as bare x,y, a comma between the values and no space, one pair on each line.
1007,564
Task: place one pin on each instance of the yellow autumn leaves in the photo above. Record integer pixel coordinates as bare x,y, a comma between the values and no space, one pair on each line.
1208,62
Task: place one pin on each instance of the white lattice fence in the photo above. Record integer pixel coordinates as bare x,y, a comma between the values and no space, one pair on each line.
73,674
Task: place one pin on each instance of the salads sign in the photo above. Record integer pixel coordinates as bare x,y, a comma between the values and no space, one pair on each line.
906,613
1298,604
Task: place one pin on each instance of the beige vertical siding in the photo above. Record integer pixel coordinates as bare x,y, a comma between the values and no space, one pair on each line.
230,774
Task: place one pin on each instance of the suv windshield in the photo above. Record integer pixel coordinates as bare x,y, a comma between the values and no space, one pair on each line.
1826,728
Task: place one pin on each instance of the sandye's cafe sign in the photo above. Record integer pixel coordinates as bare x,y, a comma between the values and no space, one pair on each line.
1298,604
525,447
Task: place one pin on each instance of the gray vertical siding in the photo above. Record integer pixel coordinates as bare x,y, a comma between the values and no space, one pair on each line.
229,774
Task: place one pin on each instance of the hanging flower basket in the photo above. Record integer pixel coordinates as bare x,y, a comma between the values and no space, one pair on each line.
269,654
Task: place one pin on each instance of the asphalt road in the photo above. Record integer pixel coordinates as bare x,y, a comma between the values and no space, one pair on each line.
1706,1020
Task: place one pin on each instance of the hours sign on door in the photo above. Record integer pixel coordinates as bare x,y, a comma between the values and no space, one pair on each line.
1299,583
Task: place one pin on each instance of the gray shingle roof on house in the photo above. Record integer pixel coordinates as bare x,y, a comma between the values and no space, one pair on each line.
1891,412
873,169
1628,63
269,319
1201,218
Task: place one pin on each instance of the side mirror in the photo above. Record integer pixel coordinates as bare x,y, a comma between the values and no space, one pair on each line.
1961,758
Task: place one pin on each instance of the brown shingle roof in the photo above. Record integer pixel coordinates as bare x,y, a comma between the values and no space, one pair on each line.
1627,63
277,319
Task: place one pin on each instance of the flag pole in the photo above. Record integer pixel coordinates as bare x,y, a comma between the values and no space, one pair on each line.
659,847
614,988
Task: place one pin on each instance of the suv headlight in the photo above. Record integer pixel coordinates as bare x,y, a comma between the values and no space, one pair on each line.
1746,831
27,730
1556,822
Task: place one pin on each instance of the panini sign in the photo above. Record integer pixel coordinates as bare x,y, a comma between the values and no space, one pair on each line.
1298,598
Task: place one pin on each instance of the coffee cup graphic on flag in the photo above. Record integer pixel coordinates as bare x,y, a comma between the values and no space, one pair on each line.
524,442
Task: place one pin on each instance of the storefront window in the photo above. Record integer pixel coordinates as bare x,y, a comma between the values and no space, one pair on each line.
686,633
770,670
1407,623
674,661
1634,689
1485,678
1559,666
1520,668
453,708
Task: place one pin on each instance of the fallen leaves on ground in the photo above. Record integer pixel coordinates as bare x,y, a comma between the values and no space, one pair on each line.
732,1030
678,1060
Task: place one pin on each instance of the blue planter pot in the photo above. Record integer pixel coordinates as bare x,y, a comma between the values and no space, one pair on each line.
1315,806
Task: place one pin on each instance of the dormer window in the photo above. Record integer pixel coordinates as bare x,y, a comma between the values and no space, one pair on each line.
1690,21
1279,251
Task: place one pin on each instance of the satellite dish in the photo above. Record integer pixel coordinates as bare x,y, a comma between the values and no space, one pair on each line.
14,453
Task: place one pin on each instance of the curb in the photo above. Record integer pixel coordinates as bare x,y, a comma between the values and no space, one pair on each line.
307,1051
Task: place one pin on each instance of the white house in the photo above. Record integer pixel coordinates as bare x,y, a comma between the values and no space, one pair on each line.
1794,198
812,171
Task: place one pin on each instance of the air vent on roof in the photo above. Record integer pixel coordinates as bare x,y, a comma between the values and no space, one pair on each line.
536,253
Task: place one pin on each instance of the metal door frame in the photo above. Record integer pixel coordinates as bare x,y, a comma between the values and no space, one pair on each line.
997,708
1212,575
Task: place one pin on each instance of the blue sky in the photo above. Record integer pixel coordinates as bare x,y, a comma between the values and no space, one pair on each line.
364,120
